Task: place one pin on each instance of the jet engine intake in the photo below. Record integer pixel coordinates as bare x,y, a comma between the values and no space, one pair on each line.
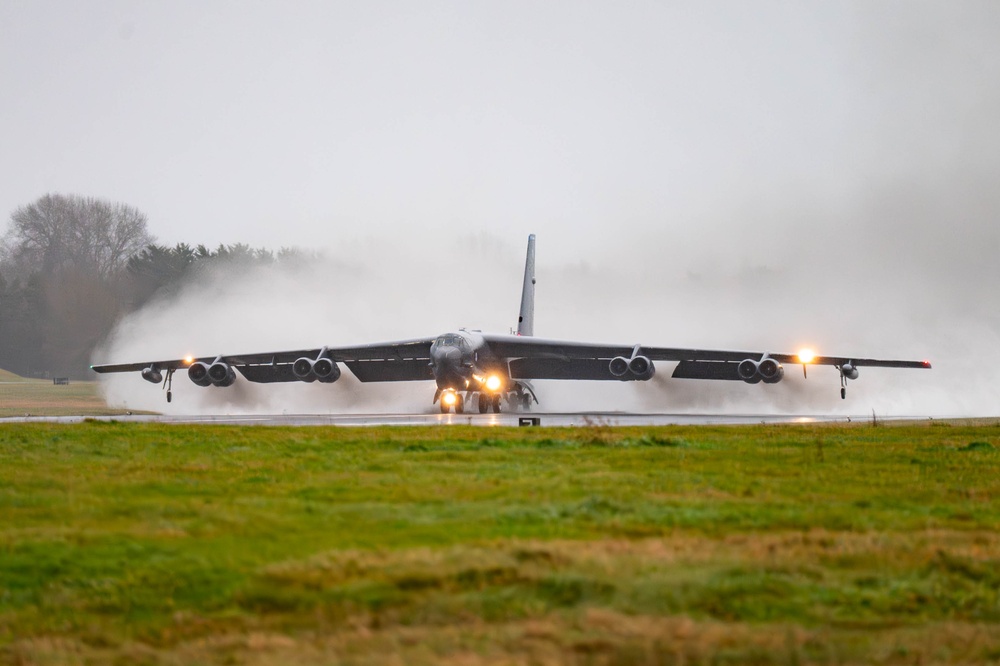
641,368
221,374
198,373
629,369
770,371
207,374
748,371
326,370
618,367
152,375
303,369
323,369
850,372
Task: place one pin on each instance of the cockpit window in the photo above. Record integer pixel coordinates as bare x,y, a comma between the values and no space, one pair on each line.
451,340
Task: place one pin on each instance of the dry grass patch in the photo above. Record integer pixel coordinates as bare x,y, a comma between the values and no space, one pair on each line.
40,397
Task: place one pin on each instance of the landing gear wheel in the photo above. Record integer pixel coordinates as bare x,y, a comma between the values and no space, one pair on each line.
444,408
496,404
484,403
525,402
459,404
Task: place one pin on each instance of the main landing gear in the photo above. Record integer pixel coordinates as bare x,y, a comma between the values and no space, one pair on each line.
517,402
485,401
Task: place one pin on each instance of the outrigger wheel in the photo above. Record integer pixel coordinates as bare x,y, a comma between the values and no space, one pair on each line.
168,383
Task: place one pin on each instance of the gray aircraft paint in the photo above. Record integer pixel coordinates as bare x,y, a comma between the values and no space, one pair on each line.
526,317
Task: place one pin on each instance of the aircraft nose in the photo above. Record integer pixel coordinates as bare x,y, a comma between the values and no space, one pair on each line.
448,368
448,357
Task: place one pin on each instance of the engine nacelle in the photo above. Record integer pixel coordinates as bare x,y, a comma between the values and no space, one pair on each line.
850,372
748,371
152,375
303,369
641,368
323,369
221,374
618,367
198,373
770,371
218,373
326,370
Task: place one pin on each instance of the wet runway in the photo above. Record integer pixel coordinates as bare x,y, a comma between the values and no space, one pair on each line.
545,419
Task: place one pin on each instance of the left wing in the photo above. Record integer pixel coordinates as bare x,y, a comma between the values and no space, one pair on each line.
534,358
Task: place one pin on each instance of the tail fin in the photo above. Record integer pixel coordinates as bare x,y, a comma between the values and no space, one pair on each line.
526,319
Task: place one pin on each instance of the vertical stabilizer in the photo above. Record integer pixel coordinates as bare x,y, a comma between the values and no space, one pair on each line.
526,319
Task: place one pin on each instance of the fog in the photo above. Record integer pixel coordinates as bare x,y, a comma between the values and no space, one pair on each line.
721,174
385,293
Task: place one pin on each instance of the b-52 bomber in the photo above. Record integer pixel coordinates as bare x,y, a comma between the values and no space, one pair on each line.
471,367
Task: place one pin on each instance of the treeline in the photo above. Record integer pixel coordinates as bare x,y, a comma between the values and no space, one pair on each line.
71,267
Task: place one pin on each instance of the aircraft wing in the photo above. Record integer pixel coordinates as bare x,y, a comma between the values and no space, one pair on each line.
536,358
382,361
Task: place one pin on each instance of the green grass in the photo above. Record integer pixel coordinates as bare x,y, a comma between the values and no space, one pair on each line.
764,544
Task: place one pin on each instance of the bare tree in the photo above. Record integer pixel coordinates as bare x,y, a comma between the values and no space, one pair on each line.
62,232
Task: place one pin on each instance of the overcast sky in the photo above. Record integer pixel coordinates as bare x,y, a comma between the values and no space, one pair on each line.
840,154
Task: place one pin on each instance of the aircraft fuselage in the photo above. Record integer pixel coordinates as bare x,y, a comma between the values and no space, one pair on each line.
462,361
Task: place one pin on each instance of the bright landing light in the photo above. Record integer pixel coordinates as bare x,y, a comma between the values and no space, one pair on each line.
188,360
450,398
806,356
493,383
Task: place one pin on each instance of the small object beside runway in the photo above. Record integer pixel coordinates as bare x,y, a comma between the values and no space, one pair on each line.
529,421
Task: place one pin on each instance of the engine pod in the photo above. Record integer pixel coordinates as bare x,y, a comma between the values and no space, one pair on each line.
770,371
326,370
747,371
198,373
641,368
303,369
618,367
221,374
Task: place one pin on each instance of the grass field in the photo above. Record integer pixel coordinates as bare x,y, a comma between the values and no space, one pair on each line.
20,396
131,543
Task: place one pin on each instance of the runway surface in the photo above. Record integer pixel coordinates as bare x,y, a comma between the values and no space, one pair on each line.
545,419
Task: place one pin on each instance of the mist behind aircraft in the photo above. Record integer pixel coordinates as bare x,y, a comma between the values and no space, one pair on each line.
364,299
